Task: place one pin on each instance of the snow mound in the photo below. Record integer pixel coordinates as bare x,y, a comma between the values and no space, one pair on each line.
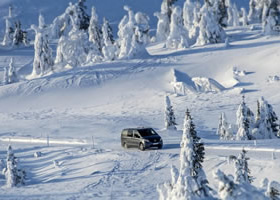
183,83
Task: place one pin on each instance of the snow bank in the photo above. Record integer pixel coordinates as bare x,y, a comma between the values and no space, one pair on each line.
183,83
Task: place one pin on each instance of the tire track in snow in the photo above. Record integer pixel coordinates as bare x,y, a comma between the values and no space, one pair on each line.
121,181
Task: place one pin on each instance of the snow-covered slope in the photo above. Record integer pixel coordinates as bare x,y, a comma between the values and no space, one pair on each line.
83,110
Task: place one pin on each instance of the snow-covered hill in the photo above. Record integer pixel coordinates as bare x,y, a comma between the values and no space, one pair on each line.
80,112
28,10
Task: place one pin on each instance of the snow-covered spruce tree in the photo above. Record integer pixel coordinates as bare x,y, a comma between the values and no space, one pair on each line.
228,190
126,33
163,16
43,60
220,9
198,158
167,6
129,42
142,21
209,29
10,75
109,49
245,121
82,15
14,175
188,14
108,31
224,130
271,17
244,18
178,36
94,30
191,182
170,120
191,20
75,49
9,31
6,76
62,24
162,27
255,11
273,190
19,36
267,125
235,15
183,185
242,171
230,14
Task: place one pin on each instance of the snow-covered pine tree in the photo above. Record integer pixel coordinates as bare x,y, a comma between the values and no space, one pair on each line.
267,125
178,36
43,60
271,17
245,121
94,30
224,130
209,29
242,171
109,49
14,175
9,31
170,120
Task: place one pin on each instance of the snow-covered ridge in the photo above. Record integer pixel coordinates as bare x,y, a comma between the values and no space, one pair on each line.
81,77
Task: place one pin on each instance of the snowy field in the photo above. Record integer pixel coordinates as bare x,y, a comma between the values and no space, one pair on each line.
75,117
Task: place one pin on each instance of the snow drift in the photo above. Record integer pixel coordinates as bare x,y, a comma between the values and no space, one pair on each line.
183,83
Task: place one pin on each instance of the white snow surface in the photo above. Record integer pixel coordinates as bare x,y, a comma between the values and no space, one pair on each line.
81,112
